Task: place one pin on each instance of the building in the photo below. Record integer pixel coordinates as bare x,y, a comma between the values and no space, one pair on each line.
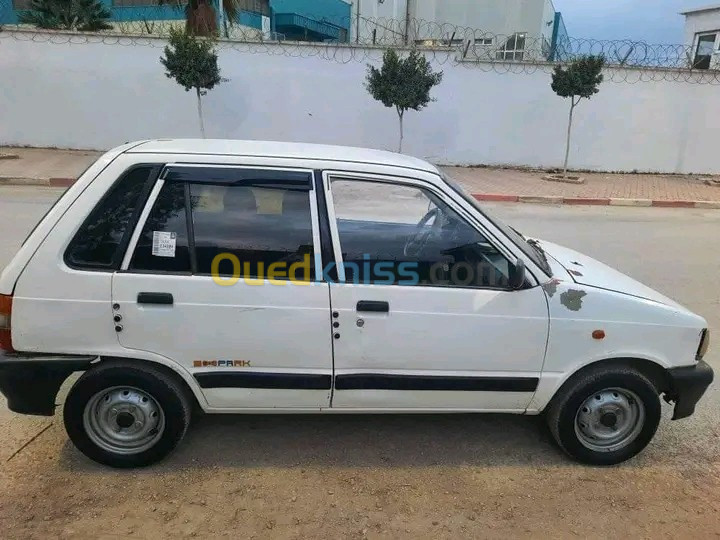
307,20
513,29
702,35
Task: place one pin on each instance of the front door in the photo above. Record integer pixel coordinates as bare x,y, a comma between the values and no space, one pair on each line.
220,278
424,317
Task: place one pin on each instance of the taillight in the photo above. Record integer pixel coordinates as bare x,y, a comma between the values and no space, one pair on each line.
5,312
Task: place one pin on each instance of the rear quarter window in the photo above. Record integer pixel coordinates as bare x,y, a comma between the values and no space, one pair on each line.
100,242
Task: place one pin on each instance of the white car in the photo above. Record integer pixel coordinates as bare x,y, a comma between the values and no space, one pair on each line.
261,277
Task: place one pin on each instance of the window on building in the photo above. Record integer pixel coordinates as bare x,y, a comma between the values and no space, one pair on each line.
163,244
484,41
513,48
97,244
704,50
403,235
259,226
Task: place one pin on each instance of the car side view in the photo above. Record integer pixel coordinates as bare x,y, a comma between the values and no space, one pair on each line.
260,277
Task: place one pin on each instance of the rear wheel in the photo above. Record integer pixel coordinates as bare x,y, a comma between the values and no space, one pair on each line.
126,415
605,415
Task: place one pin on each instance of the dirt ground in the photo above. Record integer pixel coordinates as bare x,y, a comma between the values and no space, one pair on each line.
360,477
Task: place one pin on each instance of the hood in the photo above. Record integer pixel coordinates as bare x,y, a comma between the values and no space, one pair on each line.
588,271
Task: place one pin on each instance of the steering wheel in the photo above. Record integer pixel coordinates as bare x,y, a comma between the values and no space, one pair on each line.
417,241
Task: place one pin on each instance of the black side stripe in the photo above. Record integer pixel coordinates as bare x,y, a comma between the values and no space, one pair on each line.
372,381
287,381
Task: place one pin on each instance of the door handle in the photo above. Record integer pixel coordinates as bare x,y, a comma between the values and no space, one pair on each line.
373,306
158,298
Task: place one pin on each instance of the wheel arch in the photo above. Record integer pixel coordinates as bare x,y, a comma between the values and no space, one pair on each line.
653,370
176,372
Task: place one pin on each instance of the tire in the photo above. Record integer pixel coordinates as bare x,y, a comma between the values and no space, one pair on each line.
577,414
126,414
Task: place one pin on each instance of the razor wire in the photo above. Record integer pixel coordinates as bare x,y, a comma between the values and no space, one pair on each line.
362,39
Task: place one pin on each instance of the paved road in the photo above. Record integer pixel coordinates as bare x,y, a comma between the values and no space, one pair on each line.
390,476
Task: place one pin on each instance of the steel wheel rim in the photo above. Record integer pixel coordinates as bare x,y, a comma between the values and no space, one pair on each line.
124,420
609,420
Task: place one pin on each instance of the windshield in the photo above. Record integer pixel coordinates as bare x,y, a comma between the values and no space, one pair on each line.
529,247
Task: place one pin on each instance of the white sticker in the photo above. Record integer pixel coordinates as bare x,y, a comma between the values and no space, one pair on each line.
164,244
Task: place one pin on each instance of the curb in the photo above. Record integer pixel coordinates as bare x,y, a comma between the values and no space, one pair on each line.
591,201
46,182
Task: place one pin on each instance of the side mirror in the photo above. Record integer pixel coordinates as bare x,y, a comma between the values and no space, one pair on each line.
517,275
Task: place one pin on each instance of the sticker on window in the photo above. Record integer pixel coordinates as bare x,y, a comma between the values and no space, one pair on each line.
163,244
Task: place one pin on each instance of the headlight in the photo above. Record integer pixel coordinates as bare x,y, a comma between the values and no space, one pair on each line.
704,344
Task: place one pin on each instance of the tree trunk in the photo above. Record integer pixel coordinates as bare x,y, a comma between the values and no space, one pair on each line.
201,18
200,115
400,115
569,130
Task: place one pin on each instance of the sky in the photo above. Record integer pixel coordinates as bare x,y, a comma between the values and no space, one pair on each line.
652,21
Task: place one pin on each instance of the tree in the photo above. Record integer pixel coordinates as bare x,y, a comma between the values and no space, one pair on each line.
201,15
84,15
193,63
580,79
403,83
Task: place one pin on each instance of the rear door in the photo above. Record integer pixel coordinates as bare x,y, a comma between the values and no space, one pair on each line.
424,316
220,278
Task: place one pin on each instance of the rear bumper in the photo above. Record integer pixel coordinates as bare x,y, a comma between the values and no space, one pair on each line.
688,384
31,382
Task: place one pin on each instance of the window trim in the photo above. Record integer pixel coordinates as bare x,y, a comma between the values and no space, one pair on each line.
177,172
328,176
118,257
696,43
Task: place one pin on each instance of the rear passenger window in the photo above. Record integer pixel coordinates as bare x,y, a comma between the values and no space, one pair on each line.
259,226
163,242
97,245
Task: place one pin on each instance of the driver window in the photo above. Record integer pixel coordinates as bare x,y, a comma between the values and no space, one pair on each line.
403,235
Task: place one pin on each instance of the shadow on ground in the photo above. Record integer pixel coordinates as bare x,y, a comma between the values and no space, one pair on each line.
356,441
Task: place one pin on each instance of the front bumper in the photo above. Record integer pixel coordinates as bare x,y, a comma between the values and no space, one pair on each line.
687,386
31,382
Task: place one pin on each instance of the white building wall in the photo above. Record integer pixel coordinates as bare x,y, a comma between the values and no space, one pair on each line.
506,17
386,18
702,22
547,21
427,17
95,95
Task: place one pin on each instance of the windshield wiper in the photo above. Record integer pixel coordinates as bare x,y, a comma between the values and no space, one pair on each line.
540,251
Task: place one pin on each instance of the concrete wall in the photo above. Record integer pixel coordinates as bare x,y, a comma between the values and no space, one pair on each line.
96,95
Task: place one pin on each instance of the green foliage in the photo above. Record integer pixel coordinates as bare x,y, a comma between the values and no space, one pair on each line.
580,79
191,61
84,15
403,83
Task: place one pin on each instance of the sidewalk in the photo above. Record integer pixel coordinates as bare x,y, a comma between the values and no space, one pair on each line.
49,167
44,166
511,185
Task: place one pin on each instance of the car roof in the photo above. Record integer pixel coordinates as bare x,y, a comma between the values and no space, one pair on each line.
269,149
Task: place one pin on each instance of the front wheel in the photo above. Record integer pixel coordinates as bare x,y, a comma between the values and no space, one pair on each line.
605,416
124,414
